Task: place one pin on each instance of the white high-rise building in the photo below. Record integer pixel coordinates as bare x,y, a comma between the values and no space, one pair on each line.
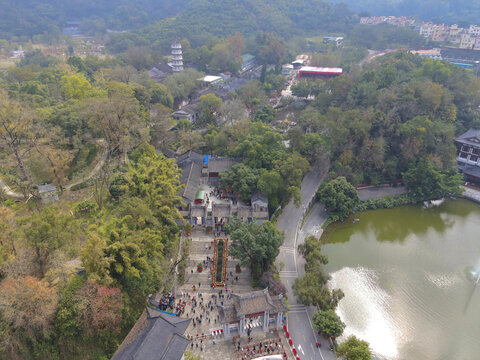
177,58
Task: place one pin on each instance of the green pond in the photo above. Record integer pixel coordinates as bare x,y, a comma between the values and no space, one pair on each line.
409,276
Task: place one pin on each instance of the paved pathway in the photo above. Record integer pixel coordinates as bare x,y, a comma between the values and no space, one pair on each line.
471,193
300,317
6,189
380,191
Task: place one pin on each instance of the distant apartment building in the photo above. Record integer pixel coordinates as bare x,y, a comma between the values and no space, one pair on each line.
474,30
440,33
467,41
477,44
454,34
426,30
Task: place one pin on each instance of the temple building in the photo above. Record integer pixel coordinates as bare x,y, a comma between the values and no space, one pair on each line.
200,174
468,146
250,313
155,336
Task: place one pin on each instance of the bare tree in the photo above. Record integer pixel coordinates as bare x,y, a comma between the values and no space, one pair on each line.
16,132
116,120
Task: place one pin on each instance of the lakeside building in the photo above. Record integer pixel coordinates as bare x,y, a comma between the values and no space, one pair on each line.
468,146
311,72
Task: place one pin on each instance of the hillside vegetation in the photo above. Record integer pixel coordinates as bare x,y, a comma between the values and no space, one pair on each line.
35,17
208,18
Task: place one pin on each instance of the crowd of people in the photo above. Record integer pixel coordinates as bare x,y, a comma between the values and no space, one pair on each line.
251,350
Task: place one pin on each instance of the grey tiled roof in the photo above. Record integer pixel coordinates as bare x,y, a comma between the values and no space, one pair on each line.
258,196
471,137
155,336
219,165
46,188
251,303
191,174
190,156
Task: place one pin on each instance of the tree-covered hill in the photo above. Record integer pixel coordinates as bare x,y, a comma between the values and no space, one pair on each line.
462,12
35,17
207,18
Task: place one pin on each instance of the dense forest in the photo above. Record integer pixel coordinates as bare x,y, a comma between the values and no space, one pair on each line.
377,122
33,17
205,19
460,12
58,121
75,274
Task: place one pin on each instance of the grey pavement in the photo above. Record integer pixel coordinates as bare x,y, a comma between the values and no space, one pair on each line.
471,193
299,318
380,191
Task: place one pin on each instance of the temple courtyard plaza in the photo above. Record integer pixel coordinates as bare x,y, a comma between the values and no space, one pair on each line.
207,329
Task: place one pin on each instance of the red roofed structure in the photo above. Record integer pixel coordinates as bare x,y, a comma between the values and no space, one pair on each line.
311,72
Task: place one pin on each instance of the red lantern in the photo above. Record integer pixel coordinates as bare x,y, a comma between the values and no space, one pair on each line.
290,342
288,334
285,327
294,352
298,358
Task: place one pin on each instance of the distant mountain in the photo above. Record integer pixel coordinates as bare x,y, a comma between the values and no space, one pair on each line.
443,11
36,17
207,18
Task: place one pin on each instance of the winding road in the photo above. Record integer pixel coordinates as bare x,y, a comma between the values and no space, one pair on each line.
299,318
9,192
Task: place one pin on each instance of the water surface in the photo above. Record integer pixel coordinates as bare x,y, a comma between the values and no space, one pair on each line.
407,274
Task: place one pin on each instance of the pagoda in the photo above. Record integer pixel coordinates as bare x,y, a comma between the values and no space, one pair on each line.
177,59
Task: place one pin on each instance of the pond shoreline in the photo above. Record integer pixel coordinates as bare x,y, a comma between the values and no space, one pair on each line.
396,265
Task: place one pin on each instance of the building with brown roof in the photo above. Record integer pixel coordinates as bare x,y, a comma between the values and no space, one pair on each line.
252,312
155,336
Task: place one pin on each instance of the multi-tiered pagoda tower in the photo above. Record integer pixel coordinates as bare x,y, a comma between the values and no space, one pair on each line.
177,58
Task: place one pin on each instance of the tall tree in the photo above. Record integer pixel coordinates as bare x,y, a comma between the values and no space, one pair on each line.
354,349
16,131
253,243
242,179
116,119
28,306
338,196
156,180
328,323
209,105
99,309
426,182
45,232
